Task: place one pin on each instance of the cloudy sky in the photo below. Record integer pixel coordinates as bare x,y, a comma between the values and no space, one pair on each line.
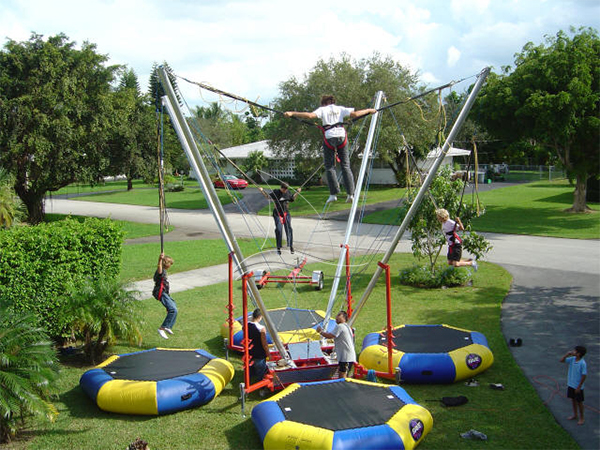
249,46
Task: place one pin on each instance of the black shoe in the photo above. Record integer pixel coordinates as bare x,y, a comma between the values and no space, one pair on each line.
279,251
292,250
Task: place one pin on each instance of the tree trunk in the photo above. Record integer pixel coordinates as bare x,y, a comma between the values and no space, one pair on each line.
579,203
129,183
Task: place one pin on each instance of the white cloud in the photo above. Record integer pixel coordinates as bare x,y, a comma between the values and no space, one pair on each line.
453,56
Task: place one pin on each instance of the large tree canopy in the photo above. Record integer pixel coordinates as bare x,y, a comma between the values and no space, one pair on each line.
354,84
551,98
55,115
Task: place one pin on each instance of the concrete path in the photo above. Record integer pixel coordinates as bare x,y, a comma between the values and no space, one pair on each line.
553,304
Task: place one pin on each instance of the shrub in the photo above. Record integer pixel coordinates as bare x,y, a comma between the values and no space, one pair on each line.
101,311
28,367
39,263
424,277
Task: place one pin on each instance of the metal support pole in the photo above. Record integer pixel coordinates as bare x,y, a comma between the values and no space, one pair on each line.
419,198
188,144
359,182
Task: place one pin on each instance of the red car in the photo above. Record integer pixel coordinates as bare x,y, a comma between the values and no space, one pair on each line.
232,181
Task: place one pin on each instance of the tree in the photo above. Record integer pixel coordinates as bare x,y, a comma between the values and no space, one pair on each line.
55,115
426,236
551,99
28,369
255,162
133,140
355,83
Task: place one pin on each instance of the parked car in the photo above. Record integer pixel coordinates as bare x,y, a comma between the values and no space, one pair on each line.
232,181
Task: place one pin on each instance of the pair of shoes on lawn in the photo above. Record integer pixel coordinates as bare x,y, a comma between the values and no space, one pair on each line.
163,332
474,434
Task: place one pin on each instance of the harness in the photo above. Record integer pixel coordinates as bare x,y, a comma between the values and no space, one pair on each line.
454,237
326,142
282,218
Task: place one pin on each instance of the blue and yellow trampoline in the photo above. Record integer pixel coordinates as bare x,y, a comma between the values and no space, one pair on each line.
156,381
341,414
428,353
292,325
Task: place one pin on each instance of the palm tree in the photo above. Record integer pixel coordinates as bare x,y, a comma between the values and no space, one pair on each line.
8,204
28,367
102,311
254,163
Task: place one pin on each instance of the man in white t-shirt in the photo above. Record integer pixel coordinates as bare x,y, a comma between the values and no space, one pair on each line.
344,343
335,141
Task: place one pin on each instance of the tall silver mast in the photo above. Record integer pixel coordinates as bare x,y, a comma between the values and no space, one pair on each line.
359,182
428,179
197,164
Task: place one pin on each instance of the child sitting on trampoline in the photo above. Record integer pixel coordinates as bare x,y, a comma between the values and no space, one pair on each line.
450,228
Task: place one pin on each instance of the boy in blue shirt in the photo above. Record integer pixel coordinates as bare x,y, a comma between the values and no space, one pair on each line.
575,379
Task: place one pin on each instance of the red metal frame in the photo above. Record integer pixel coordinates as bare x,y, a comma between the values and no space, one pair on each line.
361,372
293,277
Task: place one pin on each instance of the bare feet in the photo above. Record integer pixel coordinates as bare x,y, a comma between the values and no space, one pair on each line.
581,422
571,417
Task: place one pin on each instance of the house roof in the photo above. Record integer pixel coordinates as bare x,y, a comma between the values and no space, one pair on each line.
452,152
242,151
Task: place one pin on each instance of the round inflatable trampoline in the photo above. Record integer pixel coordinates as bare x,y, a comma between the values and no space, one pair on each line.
156,381
428,353
293,325
341,414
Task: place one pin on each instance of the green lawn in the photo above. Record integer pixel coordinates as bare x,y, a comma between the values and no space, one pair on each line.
312,201
514,418
190,198
139,260
533,209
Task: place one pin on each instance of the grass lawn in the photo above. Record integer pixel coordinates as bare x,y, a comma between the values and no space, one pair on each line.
139,260
532,209
190,198
312,201
514,418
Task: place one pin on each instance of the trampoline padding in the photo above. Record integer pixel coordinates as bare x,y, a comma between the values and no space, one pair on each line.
341,414
157,381
428,353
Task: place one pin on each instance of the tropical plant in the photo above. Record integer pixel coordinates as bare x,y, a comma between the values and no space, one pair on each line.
426,236
8,202
255,162
104,310
28,368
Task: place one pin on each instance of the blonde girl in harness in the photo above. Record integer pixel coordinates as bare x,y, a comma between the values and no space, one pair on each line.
450,229
335,141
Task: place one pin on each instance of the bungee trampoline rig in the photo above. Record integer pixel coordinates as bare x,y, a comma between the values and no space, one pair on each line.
300,363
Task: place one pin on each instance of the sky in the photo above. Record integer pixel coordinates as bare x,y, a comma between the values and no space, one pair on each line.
249,47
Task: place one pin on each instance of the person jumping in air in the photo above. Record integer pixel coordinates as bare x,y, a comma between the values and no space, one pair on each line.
335,141
161,293
450,228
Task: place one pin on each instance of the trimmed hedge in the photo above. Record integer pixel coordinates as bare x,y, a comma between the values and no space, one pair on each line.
423,277
39,264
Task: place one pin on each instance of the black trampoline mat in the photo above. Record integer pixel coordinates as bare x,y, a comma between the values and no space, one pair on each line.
428,339
340,406
156,365
289,319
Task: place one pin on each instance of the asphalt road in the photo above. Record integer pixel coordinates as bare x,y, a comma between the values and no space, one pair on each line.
553,304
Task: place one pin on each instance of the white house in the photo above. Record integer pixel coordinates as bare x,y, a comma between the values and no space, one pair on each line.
284,167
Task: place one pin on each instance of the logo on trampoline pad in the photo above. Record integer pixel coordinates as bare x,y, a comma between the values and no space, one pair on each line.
416,429
473,361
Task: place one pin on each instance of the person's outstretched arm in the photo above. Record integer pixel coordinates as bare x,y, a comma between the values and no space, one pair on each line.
300,114
362,112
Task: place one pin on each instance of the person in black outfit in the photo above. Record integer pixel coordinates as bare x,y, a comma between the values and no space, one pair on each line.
259,348
281,214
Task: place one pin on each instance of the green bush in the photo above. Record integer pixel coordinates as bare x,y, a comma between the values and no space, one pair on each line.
423,277
39,263
171,187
